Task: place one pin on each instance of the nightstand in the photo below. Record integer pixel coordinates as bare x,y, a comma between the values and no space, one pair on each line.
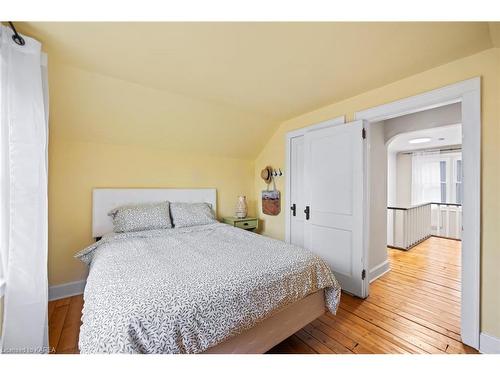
248,223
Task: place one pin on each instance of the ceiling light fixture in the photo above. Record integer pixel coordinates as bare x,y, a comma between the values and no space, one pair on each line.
419,140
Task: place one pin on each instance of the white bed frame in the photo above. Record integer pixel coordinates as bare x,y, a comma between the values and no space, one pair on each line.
256,340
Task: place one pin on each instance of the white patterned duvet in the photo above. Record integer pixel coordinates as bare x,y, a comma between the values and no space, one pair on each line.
188,289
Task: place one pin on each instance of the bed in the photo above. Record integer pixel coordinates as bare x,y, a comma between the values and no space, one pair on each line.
209,288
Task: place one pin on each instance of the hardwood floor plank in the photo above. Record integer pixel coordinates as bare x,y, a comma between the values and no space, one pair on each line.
388,335
416,283
376,313
406,288
318,346
51,308
414,318
74,311
326,340
56,325
449,311
298,346
424,314
400,331
335,335
373,342
68,340
425,276
62,301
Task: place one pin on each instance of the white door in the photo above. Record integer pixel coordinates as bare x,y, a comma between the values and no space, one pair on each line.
334,196
297,191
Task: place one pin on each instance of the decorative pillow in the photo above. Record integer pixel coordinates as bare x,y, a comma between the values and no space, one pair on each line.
139,217
190,214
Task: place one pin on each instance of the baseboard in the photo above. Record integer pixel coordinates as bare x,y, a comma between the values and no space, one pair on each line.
379,270
489,344
66,290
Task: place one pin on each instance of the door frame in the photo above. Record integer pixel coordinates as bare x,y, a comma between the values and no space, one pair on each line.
468,93
288,139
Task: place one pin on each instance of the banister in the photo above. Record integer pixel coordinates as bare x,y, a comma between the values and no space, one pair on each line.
424,204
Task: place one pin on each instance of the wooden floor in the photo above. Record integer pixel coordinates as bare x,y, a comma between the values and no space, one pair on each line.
64,324
414,308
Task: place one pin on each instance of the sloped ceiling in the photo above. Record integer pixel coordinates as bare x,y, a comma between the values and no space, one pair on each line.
273,71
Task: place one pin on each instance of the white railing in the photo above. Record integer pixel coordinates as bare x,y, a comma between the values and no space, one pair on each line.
408,226
446,220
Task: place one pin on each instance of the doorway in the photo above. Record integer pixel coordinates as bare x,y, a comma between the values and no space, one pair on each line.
424,182
303,227
467,95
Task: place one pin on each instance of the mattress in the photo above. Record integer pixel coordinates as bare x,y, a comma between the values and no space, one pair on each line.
189,289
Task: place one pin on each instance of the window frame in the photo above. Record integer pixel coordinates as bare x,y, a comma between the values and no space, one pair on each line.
451,180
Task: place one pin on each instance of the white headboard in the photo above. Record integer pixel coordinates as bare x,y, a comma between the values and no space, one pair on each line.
104,200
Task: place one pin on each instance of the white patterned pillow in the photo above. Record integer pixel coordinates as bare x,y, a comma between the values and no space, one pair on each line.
190,214
139,217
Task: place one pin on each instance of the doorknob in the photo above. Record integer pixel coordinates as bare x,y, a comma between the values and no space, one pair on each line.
294,209
307,211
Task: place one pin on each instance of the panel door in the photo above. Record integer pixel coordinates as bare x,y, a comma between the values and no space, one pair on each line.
334,190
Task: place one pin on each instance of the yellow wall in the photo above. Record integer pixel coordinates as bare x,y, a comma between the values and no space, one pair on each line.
76,167
485,64
99,129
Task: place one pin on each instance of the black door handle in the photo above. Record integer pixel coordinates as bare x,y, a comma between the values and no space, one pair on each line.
307,211
294,209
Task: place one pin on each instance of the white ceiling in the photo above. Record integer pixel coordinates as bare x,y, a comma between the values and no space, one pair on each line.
452,135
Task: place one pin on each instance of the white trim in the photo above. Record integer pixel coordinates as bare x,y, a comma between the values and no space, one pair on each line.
366,209
44,59
379,270
2,287
288,137
431,99
66,290
489,344
469,94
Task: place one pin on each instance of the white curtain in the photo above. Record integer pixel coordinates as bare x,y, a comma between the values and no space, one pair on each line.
23,194
426,177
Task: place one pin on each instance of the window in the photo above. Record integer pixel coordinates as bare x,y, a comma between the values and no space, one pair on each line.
458,182
436,177
442,179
